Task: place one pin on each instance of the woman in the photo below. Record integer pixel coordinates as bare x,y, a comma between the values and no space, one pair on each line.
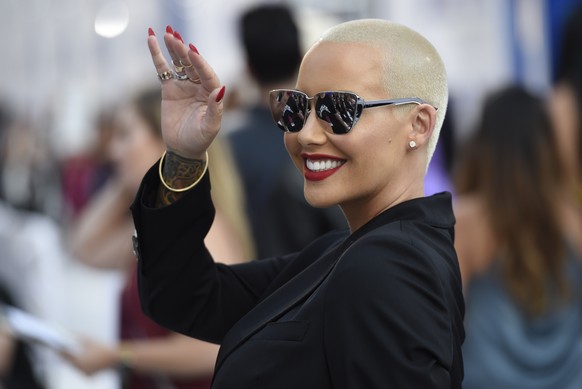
152,356
518,238
374,307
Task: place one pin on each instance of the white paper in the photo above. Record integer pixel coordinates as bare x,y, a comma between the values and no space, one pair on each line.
28,327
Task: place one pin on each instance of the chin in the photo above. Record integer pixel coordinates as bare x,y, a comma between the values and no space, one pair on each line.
319,200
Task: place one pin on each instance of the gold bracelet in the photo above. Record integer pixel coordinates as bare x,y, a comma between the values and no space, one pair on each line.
125,355
189,186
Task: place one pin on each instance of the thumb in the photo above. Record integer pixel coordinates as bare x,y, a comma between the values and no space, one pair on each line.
215,108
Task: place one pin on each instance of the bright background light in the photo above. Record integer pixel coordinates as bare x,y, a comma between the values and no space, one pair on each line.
112,19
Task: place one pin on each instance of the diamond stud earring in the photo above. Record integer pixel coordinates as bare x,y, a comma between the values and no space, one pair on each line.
412,144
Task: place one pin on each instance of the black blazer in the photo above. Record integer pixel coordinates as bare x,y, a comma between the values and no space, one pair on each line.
380,308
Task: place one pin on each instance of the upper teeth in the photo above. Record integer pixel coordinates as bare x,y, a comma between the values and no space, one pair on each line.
322,164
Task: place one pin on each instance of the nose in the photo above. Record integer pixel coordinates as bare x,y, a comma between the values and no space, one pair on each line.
313,131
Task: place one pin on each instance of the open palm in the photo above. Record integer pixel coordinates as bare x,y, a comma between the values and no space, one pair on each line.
191,108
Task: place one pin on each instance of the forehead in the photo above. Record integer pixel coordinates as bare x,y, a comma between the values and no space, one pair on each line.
351,67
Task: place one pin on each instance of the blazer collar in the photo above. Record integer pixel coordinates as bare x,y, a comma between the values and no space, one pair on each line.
435,210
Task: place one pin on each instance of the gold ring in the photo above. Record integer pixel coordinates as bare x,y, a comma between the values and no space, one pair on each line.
167,75
195,81
186,66
178,68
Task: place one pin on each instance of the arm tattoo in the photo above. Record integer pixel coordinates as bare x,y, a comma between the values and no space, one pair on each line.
178,172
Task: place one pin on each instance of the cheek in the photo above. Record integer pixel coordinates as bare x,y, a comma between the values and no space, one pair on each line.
119,151
293,148
372,150
131,154
146,152
386,132
134,154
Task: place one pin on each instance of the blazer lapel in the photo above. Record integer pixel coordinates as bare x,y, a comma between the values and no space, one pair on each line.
279,302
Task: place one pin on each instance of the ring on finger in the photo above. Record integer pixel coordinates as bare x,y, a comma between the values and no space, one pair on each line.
178,68
181,76
167,75
186,66
195,81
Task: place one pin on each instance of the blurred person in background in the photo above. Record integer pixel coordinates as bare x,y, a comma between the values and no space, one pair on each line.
282,221
518,242
85,173
32,258
566,102
29,170
152,357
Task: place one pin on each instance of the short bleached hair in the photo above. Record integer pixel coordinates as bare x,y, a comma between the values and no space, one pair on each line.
412,66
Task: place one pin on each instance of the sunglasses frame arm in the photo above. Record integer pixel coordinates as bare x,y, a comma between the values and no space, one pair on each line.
380,103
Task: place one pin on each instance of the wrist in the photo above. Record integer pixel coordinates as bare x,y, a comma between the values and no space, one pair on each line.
179,174
188,157
125,355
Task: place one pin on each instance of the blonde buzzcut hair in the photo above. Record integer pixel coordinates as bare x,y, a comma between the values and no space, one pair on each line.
412,66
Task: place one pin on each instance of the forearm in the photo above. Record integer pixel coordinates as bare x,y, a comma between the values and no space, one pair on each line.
100,237
172,254
170,246
175,355
114,252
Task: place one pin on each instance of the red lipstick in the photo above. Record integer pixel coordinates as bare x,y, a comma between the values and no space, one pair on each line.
320,174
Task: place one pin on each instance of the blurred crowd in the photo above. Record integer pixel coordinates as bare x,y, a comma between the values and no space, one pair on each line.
66,254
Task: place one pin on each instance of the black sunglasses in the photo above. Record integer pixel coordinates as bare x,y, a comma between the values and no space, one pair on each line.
341,110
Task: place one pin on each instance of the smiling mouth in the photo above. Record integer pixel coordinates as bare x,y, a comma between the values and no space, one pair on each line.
322,165
318,169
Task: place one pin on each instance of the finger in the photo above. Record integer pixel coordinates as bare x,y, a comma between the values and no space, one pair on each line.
207,75
158,58
175,58
182,52
215,105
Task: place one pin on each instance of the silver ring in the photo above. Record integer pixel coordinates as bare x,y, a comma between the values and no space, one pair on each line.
180,77
195,81
167,75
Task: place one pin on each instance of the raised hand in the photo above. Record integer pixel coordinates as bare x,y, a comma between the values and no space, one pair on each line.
191,96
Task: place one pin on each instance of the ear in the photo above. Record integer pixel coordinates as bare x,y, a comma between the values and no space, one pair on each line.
423,122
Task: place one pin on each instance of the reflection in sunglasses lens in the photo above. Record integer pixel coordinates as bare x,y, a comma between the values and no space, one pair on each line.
293,114
291,108
337,109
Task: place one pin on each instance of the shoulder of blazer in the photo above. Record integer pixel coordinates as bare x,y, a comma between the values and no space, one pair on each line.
390,298
398,251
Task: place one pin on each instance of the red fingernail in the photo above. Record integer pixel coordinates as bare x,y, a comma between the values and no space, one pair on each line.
194,49
220,94
178,36
169,29
151,32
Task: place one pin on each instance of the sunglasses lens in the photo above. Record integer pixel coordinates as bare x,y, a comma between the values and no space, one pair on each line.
338,109
288,109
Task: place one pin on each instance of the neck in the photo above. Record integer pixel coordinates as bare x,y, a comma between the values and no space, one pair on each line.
361,212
